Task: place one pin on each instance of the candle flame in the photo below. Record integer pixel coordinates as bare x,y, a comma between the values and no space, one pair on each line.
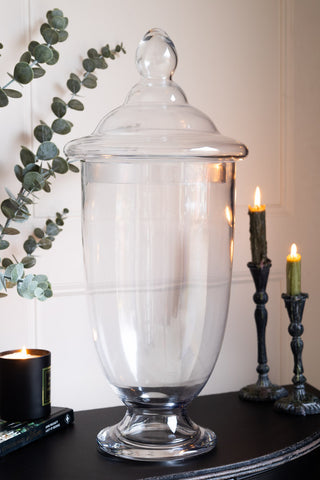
294,250
24,352
257,197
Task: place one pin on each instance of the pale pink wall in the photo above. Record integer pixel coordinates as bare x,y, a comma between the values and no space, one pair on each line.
251,65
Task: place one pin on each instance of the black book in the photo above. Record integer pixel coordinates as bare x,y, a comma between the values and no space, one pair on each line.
14,435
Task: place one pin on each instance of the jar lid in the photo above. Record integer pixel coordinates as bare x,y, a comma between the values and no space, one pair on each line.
156,119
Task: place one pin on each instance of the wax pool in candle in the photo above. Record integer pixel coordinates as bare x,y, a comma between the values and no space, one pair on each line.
294,271
20,355
258,242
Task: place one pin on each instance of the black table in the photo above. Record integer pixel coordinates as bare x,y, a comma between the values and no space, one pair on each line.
253,441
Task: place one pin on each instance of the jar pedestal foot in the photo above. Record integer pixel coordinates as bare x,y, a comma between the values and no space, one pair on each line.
155,436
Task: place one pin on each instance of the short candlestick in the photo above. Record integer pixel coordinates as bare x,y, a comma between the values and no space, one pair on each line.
299,401
263,390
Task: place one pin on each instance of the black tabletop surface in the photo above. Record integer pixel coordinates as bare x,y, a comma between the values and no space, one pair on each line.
251,437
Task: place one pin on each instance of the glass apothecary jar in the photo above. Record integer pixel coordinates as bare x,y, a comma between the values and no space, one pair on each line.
158,216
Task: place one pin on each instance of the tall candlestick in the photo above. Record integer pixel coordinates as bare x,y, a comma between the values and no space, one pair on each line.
258,241
293,272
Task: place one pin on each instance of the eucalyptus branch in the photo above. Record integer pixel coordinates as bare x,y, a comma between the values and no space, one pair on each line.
40,167
29,66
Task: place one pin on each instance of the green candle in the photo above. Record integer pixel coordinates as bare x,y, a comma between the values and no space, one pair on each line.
258,241
294,271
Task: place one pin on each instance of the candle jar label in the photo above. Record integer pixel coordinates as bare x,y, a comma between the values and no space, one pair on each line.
46,385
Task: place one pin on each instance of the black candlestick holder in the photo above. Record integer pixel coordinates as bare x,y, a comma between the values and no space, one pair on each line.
263,390
299,401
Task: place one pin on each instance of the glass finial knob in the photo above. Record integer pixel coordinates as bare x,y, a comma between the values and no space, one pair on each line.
156,56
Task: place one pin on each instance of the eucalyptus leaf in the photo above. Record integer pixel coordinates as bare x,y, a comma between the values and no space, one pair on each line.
61,126
43,285
73,168
14,211
75,77
38,292
48,293
11,195
23,73
8,272
42,53
38,232
25,57
4,244
14,272
9,208
2,295
100,63
12,93
33,181
30,245
55,12
73,85
3,98
89,83
47,151
52,229
76,104
59,107
45,243
59,222
26,156
92,53
32,45
44,27
24,287
6,262
63,35
46,187
50,35
40,278
106,51
89,64
57,21
38,72
59,165
55,57
10,231
29,261
43,133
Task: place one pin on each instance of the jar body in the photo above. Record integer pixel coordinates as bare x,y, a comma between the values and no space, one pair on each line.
158,246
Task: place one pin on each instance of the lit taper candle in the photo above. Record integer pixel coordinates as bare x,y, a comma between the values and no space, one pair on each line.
294,271
258,241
